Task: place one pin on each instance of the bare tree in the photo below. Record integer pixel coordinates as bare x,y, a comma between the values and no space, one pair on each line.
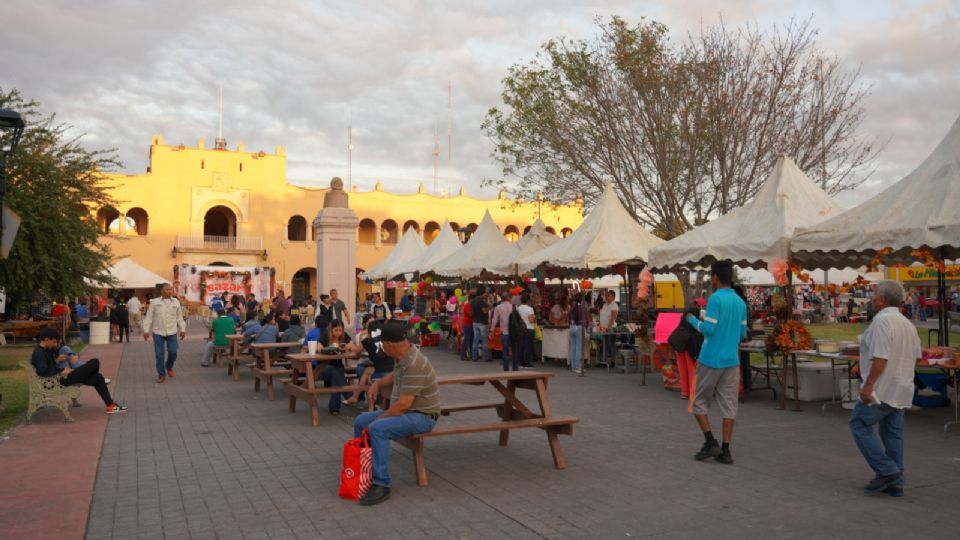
685,132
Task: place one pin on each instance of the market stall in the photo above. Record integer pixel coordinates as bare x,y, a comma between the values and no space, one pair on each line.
408,251
475,256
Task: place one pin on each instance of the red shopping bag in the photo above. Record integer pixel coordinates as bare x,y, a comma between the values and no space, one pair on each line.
356,475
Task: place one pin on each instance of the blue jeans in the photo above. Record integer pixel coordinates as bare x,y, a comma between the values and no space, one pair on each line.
466,347
884,454
333,376
523,348
509,353
481,334
609,350
576,347
171,345
386,430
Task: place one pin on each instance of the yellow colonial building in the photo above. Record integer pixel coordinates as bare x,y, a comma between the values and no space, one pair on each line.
218,207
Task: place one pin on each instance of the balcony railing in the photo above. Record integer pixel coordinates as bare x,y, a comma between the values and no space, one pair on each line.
219,243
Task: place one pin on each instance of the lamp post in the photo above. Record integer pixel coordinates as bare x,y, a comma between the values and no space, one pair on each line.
11,128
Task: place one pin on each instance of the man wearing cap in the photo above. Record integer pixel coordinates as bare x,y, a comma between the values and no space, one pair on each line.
414,407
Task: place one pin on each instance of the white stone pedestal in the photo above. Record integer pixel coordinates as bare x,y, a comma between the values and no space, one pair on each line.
336,234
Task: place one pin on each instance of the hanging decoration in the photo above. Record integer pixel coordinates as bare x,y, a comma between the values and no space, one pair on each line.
778,268
645,284
792,336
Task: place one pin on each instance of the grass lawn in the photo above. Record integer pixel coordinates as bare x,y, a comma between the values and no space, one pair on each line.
13,382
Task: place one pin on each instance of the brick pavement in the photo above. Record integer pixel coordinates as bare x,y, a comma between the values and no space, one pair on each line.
202,456
48,468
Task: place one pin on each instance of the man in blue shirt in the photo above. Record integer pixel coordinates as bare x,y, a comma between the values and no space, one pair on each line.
718,367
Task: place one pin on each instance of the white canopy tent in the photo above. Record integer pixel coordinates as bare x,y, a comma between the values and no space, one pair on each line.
608,236
920,211
442,246
130,275
755,233
408,251
537,238
486,244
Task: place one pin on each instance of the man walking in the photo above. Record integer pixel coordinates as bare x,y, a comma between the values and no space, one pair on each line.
340,312
414,407
479,310
164,320
135,308
718,366
889,350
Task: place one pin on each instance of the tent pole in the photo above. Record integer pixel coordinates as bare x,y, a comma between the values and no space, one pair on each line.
944,338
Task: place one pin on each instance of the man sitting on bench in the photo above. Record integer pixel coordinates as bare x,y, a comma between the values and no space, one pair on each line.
44,360
414,407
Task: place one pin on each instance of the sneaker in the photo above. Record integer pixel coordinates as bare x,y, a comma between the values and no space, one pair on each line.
204,365
160,379
725,457
883,482
171,374
894,491
115,408
375,495
709,450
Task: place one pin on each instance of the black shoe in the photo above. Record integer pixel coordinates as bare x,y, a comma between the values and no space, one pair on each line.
725,457
375,495
882,483
709,450
894,491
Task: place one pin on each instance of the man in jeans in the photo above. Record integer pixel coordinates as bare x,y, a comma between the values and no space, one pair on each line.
164,320
414,407
718,366
889,350
608,321
501,318
480,310
44,360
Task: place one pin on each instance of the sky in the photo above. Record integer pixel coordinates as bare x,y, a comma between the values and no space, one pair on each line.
298,74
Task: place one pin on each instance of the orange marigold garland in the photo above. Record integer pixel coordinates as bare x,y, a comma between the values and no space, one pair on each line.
794,336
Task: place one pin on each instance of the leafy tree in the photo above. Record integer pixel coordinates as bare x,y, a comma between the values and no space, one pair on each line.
52,183
684,131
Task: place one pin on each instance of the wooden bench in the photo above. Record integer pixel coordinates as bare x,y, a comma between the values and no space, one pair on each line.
264,368
233,361
301,366
48,392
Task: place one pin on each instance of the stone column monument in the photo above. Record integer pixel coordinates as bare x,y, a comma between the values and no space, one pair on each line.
335,229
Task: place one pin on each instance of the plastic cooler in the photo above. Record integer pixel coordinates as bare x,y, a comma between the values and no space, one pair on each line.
936,381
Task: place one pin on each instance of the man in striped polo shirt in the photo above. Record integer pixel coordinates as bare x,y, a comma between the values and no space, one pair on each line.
724,326
414,407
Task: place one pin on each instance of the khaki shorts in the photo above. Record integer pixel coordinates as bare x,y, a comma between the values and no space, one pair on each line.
722,383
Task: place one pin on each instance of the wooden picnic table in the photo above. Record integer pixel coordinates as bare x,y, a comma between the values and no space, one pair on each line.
233,361
512,411
263,366
301,364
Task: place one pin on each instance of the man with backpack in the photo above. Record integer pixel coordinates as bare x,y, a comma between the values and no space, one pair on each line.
502,315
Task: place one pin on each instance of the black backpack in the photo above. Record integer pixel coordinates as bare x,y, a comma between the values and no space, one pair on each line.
515,324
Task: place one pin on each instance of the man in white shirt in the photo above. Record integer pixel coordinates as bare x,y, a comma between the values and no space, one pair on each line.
608,320
889,350
164,320
135,308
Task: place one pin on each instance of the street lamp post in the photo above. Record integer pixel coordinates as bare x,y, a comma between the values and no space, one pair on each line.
11,128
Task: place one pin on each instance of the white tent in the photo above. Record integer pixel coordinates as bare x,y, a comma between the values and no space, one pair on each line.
474,257
408,251
920,211
442,246
608,236
130,275
755,233
537,238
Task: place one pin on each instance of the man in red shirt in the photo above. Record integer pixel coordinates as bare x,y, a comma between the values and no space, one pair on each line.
467,325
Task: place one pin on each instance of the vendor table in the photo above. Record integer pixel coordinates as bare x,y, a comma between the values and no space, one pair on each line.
556,342
303,386
766,371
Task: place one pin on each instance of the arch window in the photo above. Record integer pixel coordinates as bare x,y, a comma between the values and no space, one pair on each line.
220,221
367,231
138,222
430,232
108,217
567,231
297,229
466,232
389,233
511,233
552,231
411,224
526,229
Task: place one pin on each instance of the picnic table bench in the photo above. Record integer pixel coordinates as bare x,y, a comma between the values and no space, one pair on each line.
513,414
233,361
301,365
264,368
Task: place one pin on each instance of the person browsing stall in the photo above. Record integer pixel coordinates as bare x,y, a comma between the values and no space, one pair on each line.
414,407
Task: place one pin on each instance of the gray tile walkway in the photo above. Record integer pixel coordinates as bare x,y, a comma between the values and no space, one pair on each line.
202,456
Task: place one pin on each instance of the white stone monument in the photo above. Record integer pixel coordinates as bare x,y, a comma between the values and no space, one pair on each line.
335,228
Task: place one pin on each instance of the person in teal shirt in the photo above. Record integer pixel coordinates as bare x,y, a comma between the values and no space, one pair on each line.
723,326
222,327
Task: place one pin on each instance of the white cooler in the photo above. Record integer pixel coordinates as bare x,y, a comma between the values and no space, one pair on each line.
99,332
816,381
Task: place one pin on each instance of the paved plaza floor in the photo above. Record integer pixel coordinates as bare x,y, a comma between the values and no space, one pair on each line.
202,456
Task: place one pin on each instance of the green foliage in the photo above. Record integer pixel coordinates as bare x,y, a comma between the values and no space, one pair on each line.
52,184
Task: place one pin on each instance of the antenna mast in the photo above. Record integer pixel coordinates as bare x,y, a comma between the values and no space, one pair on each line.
350,153
220,143
436,158
449,120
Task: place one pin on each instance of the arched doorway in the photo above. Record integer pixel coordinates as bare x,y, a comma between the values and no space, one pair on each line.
511,233
220,221
302,284
430,231
108,217
140,221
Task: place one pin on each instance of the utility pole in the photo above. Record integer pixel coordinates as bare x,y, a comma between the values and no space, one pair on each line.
350,153
436,159
449,121
220,143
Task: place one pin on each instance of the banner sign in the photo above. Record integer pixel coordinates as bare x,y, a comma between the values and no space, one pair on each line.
201,283
924,273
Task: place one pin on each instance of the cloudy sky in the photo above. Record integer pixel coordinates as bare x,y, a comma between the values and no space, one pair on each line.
293,73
